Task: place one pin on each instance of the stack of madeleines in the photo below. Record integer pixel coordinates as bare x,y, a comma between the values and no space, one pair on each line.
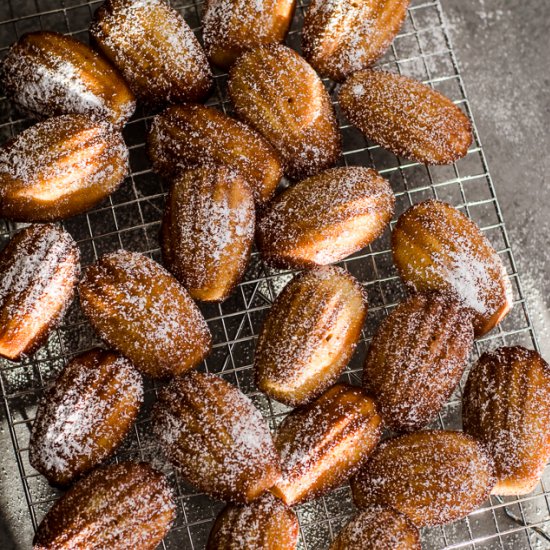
224,174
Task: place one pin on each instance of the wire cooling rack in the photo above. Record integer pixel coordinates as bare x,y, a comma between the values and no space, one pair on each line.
131,217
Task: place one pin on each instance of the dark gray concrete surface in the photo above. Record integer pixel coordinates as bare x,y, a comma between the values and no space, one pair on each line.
503,47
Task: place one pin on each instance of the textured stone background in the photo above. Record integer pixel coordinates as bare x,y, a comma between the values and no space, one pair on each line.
504,51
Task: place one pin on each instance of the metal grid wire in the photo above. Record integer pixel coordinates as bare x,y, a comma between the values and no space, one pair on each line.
130,219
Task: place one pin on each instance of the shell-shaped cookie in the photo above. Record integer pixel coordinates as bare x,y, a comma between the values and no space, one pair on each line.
154,49
144,313
85,415
39,269
324,443
433,477
216,437
309,335
378,528
59,168
507,406
187,136
208,230
265,524
47,74
124,506
231,27
436,247
417,358
408,118
275,91
325,218
341,37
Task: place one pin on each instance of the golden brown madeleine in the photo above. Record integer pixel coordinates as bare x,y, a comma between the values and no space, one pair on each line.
47,74
433,477
378,528
417,358
324,443
85,415
187,136
208,230
216,437
39,269
231,27
436,247
142,311
325,218
266,524
507,406
309,335
275,91
343,36
406,117
124,506
154,49
59,168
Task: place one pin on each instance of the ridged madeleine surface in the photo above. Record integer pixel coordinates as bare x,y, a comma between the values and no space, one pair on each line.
433,477
265,524
208,230
436,247
187,136
378,528
341,37
275,91
154,49
216,437
406,117
324,443
125,506
85,415
39,269
417,358
507,406
309,335
231,27
47,74
59,168
143,312
325,218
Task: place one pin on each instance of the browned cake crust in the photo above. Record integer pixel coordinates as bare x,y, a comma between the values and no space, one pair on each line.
417,358
324,443
216,437
344,36
39,269
507,406
265,524
59,168
85,415
124,506
406,117
433,477
378,528
208,230
309,335
187,136
47,74
231,27
436,247
142,311
154,49
275,91
325,218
